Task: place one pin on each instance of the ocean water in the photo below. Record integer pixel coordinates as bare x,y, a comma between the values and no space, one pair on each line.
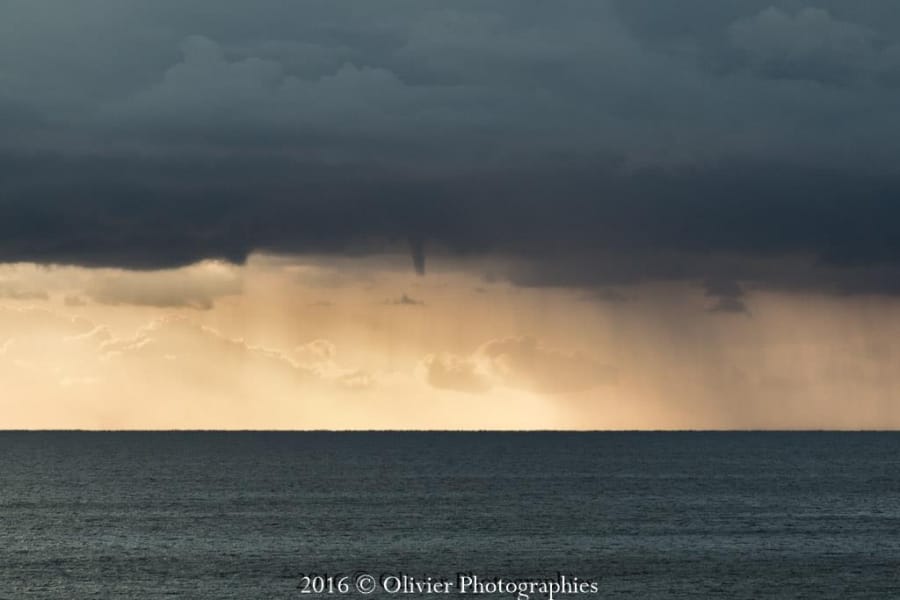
643,515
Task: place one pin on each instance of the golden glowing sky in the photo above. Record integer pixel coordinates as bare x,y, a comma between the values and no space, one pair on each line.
283,343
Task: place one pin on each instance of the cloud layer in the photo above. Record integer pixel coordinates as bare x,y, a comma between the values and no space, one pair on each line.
577,143
519,362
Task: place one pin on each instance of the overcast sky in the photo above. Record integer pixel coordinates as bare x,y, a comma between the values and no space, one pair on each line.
741,151
658,139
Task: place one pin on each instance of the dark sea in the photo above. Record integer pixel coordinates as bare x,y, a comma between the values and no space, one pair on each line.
642,515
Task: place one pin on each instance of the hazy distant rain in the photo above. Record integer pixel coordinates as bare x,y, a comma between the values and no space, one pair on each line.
462,584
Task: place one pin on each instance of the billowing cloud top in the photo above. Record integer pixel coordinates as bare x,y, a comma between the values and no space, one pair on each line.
582,142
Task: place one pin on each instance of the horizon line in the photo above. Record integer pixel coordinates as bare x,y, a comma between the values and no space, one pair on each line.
574,431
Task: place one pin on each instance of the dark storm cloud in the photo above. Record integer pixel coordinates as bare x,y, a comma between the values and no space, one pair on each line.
588,143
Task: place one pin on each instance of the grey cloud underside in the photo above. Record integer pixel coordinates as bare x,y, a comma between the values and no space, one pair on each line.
590,143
